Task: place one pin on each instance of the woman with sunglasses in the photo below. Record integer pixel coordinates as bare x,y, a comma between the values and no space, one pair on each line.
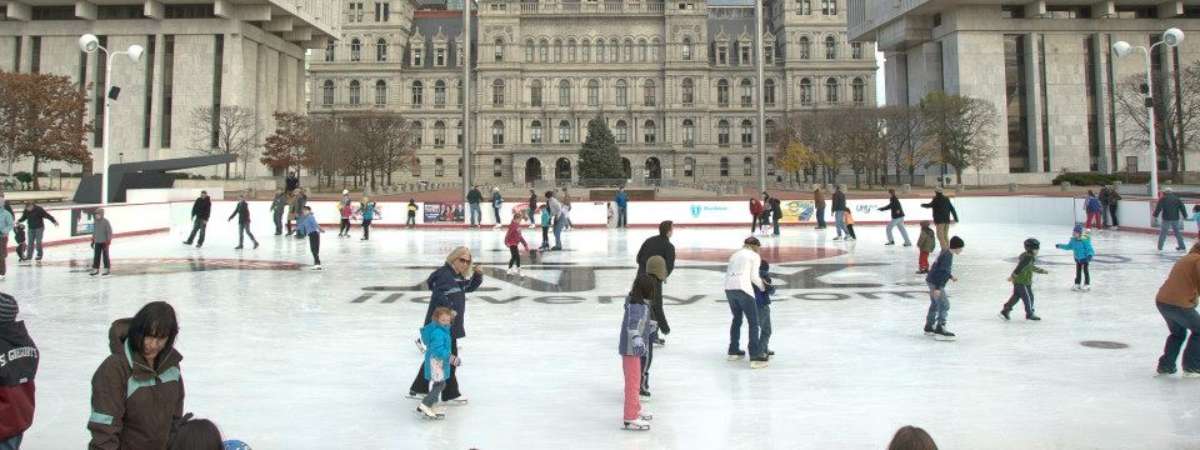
449,286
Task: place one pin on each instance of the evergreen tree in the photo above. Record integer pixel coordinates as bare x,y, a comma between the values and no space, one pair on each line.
599,158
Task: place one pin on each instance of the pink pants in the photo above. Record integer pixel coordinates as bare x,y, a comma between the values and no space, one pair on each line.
633,384
1093,220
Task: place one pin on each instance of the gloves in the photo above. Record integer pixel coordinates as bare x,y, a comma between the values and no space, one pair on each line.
455,360
639,346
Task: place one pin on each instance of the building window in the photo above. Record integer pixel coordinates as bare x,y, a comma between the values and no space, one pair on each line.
747,93
498,55
460,53
383,11
769,92
723,93
829,7
439,93
460,133
1015,11
439,167
804,7
1068,12
687,49
564,132
723,133
689,167
769,54
543,51
355,93
830,47
535,93
564,93
439,134
858,91
724,166
585,51
327,93
599,50
570,50
769,129
415,168
558,50
622,93
498,133
418,132
747,133
654,46
628,50
722,59
1016,88
614,51
498,168
380,93
747,167
418,55
642,50
355,50
498,93
805,48
418,93
649,93
622,132
381,50
1137,12
439,58
356,12
1091,64
535,132
689,133
593,93
689,92
330,50
168,87
856,50
806,92
831,90
650,132
529,50
744,51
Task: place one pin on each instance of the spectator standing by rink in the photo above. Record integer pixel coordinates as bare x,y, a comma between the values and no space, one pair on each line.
1176,301
897,219
1172,212
102,235
16,375
201,210
306,226
776,214
6,226
242,212
622,200
819,204
473,199
278,208
943,210
1114,198
412,214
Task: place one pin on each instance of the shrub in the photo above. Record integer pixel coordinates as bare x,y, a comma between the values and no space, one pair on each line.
1096,178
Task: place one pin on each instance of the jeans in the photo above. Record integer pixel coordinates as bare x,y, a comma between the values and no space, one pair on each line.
496,212
532,209
742,304
898,223
1162,232
35,241
1106,217
775,223
244,229
366,229
764,328
1179,321
421,386
278,223
631,367
622,217
476,216
820,217
1112,208
314,246
12,443
434,392
100,253
3,255
1081,268
558,227
839,222
939,307
411,221
753,223
545,236
1021,292
198,226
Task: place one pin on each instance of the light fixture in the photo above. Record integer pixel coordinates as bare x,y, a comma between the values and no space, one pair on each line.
88,43
1122,49
1173,37
135,52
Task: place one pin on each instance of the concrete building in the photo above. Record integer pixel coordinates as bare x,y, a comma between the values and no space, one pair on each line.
1046,66
674,81
200,54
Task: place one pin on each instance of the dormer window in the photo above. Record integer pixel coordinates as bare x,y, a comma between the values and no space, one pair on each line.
439,57
418,55
722,54
745,54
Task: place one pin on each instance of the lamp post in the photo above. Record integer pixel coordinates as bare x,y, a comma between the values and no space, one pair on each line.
1171,38
89,43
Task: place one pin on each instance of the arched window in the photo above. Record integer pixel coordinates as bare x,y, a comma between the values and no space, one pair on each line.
805,7
723,92
724,166
689,166
686,49
535,93
642,50
689,91
806,91
355,93
327,93
622,132
439,167
770,166
747,132
723,132
830,47
543,51
600,50
649,93
585,51
439,134
356,50
418,132
805,48
858,91
622,93
380,93
593,93
330,47
529,50
498,93
856,50
535,132
689,133
498,56
498,133
381,50
497,167
747,166
770,130
564,93
418,93
564,132
747,89
831,90
628,50
558,50
571,50
769,92
829,7
439,93
650,132
626,168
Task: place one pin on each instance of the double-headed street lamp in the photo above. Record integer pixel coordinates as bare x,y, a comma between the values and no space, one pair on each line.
89,43
1171,38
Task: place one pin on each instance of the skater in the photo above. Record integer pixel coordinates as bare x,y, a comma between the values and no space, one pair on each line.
1081,246
622,200
762,298
19,236
1171,211
369,212
1105,197
6,226
16,375
764,219
497,200
558,215
1196,217
939,300
242,212
511,239
659,245
637,327
776,214
293,213
897,219
473,199
102,234
1176,301
301,205
925,244
346,196
741,277
849,220
449,287
278,208
438,359
306,226
654,277
819,203
1093,208
201,209
35,216
756,211
533,202
566,209
412,214
137,392
943,210
544,212
292,182
346,211
1022,281
839,212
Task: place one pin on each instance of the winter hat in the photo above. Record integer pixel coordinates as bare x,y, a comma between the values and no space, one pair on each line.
657,266
956,242
1078,228
8,308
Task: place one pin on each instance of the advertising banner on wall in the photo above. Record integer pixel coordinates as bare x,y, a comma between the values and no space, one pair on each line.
82,221
443,212
797,211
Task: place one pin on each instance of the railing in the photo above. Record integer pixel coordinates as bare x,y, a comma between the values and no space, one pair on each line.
575,7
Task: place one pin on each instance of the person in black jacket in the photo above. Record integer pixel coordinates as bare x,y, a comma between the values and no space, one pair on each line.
776,214
942,211
897,219
201,209
651,281
449,286
658,246
839,213
473,199
20,356
242,211
278,207
1172,211
36,217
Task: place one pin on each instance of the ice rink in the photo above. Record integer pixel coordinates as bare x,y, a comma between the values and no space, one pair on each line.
285,358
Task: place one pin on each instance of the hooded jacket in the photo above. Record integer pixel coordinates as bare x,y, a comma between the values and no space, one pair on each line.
927,240
18,366
942,209
134,405
449,289
437,346
756,207
1081,247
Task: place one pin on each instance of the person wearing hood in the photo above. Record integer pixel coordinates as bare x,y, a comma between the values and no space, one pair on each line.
102,236
242,212
637,329
942,212
20,356
648,286
897,219
201,210
1080,246
7,221
137,392
438,359
497,200
1172,212
278,207
449,286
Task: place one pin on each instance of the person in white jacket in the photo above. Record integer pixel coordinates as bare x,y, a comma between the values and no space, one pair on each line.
741,277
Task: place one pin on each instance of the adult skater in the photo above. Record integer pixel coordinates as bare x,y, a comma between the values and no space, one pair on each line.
278,208
16,375
897,219
659,245
102,235
497,201
201,210
242,212
655,275
622,201
533,201
819,204
473,199
637,326
556,214
35,216
839,213
942,212
369,211
741,277
306,226
137,392
776,214
1176,301
1172,212
449,286
756,211
6,226
293,212
292,182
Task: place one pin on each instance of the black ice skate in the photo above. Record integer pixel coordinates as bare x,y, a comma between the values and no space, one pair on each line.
942,334
737,355
1004,314
637,425
1032,317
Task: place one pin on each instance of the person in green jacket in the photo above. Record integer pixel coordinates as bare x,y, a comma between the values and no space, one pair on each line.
1022,280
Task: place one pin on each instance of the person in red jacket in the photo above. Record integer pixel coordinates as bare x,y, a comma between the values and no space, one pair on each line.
18,366
756,210
511,239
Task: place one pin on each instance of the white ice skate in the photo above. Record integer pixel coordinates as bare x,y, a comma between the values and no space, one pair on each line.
758,364
316,267
645,416
1077,288
1190,374
510,271
637,425
459,401
428,412
1087,288
517,271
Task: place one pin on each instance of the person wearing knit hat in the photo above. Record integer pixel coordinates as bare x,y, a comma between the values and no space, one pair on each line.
741,278
16,375
656,273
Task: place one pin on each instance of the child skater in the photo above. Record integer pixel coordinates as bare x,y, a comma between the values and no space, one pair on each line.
850,227
637,328
545,219
925,244
939,302
347,211
762,298
1081,245
369,211
412,214
19,233
511,239
1022,280
436,335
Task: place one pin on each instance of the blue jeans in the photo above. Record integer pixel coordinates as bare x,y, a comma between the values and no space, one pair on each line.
1162,232
558,227
898,222
622,216
839,222
764,328
1179,321
742,304
939,307
775,223
12,443
476,216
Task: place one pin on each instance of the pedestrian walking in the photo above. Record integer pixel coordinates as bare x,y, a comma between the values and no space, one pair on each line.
201,210
741,277
449,286
242,212
102,235
1176,301
897,219
943,211
1171,212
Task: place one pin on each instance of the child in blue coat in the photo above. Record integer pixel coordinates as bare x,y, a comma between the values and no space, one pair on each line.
438,359
762,298
1081,245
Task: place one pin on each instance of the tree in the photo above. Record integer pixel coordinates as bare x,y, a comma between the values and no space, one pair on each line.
961,129
1177,116
599,159
42,117
381,144
326,149
289,146
792,156
233,131
905,140
862,140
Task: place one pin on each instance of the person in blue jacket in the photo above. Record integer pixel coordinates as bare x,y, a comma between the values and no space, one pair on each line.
939,301
307,225
449,286
622,201
1081,245
369,211
438,359
497,200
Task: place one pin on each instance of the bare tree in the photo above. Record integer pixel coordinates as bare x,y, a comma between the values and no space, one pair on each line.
961,129
327,159
905,140
233,130
1178,115
382,144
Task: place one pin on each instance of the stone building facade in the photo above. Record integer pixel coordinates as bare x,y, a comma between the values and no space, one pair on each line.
204,53
1047,66
675,81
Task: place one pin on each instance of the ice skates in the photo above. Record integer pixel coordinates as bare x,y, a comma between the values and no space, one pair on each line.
637,425
942,334
758,363
736,355
428,412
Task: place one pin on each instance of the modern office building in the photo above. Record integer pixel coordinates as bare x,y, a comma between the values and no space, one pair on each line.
1045,65
674,80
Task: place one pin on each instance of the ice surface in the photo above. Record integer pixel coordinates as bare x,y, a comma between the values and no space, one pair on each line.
292,359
